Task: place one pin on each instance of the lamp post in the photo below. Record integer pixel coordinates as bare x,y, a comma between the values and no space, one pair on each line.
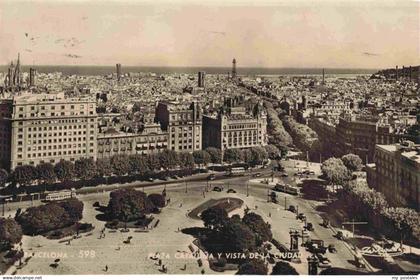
312,265
285,203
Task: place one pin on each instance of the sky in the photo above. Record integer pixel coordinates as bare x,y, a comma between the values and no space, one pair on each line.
267,33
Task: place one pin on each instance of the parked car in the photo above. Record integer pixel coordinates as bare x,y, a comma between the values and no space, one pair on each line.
316,246
217,189
324,262
301,216
332,248
211,177
258,174
310,227
292,208
231,191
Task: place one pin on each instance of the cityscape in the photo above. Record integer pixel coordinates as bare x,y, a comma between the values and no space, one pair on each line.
227,170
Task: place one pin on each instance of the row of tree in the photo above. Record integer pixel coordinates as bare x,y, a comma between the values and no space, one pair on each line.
368,204
303,136
278,135
121,165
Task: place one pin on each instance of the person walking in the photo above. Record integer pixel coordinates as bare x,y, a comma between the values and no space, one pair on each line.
106,268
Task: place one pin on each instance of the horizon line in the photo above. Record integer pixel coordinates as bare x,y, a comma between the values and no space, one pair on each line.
200,66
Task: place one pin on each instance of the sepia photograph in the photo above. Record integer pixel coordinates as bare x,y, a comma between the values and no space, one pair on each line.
210,138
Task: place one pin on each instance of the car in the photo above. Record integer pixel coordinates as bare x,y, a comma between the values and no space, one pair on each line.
301,216
284,175
174,177
309,226
292,208
211,177
298,173
217,189
258,174
231,191
332,248
311,172
324,262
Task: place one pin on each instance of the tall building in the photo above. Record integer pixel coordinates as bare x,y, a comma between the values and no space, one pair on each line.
359,136
201,79
234,127
118,65
48,128
396,173
32,74
183,122
234,68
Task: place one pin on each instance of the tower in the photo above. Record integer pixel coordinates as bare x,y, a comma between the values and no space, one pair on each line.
32,73
201,79
118,65
234,68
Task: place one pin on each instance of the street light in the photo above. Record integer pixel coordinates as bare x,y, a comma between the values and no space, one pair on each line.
312,265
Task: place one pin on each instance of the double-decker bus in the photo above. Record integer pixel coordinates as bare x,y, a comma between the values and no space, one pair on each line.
286,189
60,195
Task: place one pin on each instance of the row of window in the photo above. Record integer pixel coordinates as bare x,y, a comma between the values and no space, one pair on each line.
55,153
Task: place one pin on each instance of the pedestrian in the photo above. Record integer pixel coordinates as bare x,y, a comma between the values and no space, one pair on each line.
203,271
160,262
269,214
185,266
106,268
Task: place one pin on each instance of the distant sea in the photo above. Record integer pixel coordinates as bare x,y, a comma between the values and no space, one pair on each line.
105,70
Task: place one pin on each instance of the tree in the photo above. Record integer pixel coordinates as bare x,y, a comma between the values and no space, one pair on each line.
4,176
103,167
10,233
215,154
201,157
186,160
261,229
25,174
46,173
272,151
253,267
157,199
352,162
85,168
153,161
64,170
335,171
214,217
283,268
74,208
258,155
128,204
237,237
247,156
44,218
232,155
168,159
138,164
120,164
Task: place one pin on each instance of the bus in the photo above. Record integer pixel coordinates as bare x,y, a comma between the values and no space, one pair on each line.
61,195
236,171
286,189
